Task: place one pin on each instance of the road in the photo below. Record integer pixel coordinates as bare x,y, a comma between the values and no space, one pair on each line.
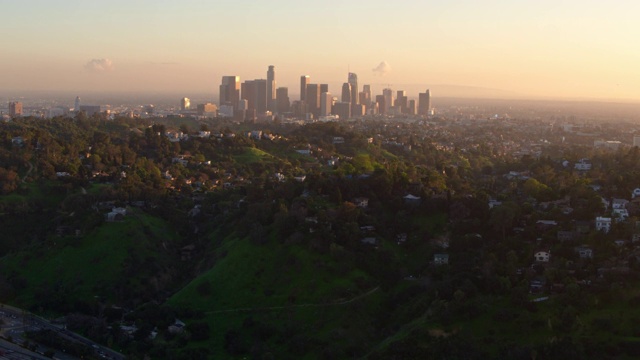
284,307
24,178
17,321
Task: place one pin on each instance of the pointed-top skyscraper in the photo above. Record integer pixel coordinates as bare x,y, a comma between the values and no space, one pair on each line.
346,93
353,81
271,88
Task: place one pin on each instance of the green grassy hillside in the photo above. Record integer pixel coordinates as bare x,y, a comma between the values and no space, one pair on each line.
116,260
279,287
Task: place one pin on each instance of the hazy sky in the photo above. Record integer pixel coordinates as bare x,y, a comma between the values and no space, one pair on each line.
570,48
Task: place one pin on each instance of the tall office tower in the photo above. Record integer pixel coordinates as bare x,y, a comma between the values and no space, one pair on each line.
325,104
15,108
248,93
76,106
424,103
402,101
230,91
353,81
255,92
324,88
313,99
299,108
343,110
358,110
185,104
388,100
282,98
304,81
271,88
366,89
262,89
346,92
365,98
380,102
412,110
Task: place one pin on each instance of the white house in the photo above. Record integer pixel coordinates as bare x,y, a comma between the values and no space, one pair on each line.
493,202
635,193
412,199
620,214
116,214
619,207
603,224
542,256
583,165
619,203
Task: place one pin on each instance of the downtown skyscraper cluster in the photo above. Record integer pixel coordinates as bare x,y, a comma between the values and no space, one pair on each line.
261,98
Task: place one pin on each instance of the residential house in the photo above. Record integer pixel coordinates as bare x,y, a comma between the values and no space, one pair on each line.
585,252
603,224
538,285
401,238
17,141
361,202
441,259
180,160
177,327
620,242
412,199
186,252
544,225
256,134
116,214
368,241
368,228
542,256
619,209
177,136
583,165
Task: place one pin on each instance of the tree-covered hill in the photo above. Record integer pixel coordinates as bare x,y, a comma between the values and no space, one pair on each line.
367,239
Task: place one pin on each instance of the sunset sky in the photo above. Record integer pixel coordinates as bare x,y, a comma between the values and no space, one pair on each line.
544,48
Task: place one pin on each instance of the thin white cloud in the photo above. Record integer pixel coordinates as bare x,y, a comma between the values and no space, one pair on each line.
382,68
99,65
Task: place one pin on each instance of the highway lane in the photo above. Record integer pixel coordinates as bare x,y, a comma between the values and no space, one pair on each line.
19,320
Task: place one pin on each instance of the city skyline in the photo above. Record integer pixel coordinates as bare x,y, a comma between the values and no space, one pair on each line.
544,49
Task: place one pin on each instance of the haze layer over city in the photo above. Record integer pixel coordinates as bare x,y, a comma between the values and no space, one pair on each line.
544,50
